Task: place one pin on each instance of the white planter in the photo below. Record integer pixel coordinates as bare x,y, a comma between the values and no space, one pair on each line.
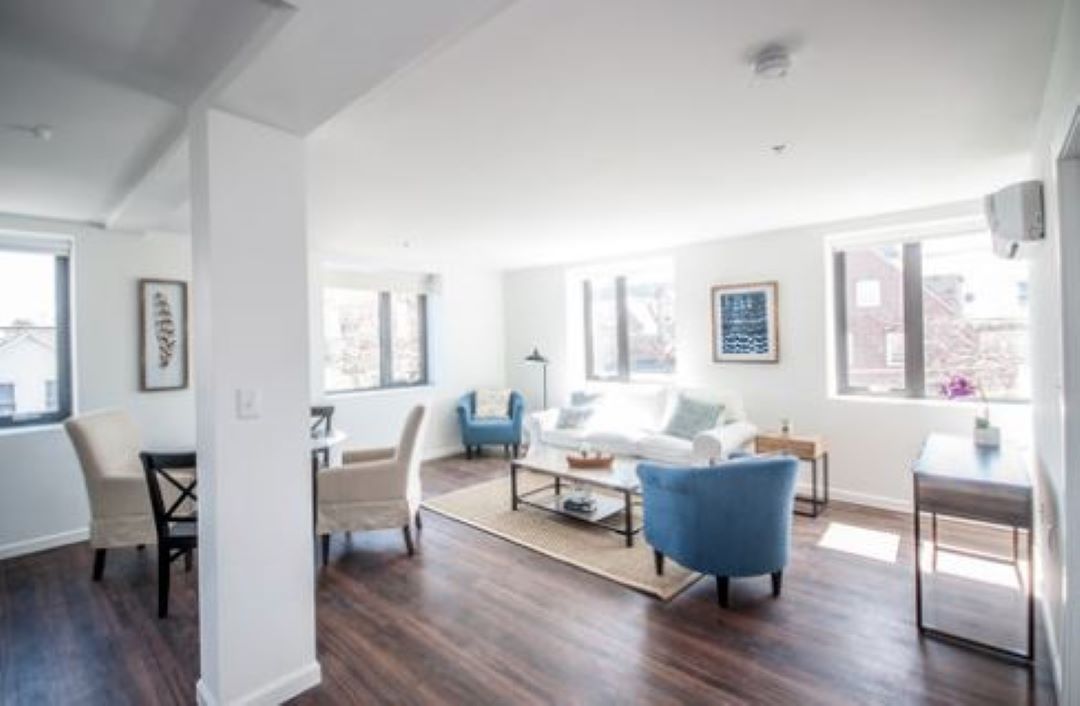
989,437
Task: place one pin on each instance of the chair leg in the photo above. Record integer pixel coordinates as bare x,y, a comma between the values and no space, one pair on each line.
99,564
777,583
722,583
408,540
468,453
659,556
517,450
187,560
325,540
163,582
419,523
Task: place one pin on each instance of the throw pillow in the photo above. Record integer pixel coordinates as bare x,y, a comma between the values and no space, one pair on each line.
581,398
573,417
492,403
691,417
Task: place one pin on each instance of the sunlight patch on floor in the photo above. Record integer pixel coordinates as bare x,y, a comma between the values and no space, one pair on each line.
872,544
998,573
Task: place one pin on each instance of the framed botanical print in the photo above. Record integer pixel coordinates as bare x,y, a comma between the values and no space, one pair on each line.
744,323
163,335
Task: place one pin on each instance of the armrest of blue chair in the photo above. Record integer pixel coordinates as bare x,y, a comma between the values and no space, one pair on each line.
517,411
464,409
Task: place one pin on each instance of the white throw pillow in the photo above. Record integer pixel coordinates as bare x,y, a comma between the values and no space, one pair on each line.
492,403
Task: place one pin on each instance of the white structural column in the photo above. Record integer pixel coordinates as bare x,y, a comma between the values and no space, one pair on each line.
256,563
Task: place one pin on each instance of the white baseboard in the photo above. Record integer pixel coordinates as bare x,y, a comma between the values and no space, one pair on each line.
438,452
275,692
40,544
880,502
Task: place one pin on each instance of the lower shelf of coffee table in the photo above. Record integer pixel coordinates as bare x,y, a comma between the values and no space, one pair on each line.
606,506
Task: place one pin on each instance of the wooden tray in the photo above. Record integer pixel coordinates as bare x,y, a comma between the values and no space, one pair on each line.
595,463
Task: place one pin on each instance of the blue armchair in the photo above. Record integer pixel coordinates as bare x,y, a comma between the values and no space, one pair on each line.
729,520
479,432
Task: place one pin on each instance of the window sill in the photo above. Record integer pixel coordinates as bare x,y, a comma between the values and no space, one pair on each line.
379,391
923,401
31,429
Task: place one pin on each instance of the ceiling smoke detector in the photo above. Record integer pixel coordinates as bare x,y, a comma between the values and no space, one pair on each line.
773,62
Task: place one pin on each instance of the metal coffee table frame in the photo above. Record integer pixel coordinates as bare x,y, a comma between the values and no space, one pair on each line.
549,497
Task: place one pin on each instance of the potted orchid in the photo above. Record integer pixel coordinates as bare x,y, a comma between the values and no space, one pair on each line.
958,387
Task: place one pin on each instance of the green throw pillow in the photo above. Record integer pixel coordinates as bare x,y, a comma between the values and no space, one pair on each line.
691,417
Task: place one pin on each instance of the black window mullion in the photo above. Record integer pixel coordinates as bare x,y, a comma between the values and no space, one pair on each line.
421,312
590,369
843,385
622,331
63,338
386,354
914,350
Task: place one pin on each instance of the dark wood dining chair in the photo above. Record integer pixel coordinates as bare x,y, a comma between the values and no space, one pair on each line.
322,423
176,524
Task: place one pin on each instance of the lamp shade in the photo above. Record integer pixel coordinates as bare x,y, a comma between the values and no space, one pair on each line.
536,357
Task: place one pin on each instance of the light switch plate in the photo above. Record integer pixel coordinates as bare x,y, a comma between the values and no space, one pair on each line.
248,404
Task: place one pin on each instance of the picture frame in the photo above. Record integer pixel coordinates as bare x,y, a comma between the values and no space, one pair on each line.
745,322
163,335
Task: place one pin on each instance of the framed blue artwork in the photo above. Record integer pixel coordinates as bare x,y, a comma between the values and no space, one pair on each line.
744,318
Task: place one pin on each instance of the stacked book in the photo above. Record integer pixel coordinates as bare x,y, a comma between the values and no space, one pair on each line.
581,503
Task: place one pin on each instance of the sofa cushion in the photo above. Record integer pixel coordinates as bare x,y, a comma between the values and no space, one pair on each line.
622,443
564,438
692,416
573,417
664,447
625,407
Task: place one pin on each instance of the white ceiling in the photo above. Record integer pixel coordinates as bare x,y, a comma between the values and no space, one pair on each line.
332,51
115,77
111,77
563,129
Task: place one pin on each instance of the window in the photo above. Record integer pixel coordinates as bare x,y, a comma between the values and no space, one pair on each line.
911,314
374,339
35,359
630,325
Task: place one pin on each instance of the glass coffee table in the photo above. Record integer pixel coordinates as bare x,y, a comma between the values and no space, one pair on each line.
614,508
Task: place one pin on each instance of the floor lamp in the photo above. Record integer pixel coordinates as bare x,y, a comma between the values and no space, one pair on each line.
537,359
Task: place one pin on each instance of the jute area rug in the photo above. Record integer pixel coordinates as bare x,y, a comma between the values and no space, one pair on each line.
487,507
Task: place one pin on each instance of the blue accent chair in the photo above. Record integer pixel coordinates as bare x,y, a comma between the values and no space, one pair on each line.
477,433
729,520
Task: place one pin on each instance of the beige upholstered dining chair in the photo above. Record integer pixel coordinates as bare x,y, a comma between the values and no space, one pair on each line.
373,488
107,444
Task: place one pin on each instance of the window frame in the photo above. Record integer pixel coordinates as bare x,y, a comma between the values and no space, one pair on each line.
386,353
62,297
622,336
914,330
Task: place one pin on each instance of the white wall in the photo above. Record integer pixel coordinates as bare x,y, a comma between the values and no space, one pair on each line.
1061,101
42,497
466,349
871,442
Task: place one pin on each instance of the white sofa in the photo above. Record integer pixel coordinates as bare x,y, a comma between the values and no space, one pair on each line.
629,420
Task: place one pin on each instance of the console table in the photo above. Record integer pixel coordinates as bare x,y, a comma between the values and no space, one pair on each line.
956,478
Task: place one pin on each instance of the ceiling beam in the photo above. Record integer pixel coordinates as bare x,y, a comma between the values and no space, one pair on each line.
173,137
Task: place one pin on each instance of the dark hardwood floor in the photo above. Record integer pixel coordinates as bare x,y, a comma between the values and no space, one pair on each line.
472,619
